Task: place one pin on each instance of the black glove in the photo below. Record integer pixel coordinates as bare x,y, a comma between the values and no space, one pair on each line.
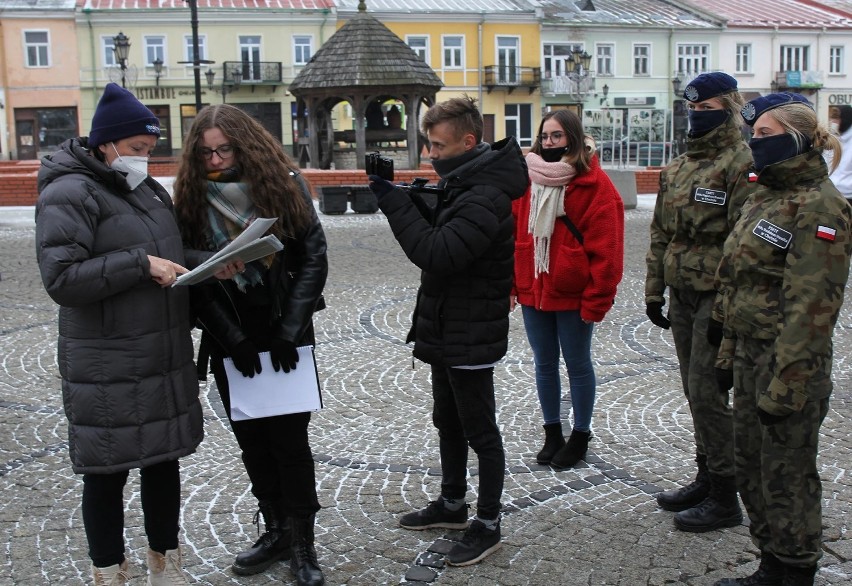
654,311
283,355
767,418
714,332
381,187
724,379
246,358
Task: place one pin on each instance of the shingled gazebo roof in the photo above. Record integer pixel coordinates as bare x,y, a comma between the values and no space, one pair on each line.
363,53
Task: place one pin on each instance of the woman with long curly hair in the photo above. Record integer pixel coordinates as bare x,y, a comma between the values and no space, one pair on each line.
233,171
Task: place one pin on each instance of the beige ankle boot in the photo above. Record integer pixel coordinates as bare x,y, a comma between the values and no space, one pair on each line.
165,570
114,575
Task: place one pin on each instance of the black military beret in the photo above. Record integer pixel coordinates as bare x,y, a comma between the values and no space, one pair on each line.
754,108
709,85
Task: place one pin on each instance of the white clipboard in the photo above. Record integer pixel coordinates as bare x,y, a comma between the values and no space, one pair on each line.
273,393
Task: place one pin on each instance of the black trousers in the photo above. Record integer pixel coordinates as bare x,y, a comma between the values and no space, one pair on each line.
276,455
103,511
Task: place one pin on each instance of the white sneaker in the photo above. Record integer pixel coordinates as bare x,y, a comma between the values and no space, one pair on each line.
114,575
165,570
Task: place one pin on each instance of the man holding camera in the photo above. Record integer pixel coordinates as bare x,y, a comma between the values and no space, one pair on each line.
464,246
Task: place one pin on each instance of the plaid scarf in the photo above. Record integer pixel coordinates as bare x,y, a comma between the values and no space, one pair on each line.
229,213
547,189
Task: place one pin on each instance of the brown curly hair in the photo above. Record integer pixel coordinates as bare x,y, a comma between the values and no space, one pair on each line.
264,167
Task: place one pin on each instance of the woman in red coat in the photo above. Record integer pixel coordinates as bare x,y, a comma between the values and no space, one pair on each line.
569,255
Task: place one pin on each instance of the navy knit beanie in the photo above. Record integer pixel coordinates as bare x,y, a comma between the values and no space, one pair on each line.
120,115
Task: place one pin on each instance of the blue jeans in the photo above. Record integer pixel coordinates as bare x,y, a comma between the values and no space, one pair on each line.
464,412
548,332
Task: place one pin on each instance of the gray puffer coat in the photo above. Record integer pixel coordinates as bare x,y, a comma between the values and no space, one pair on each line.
125,351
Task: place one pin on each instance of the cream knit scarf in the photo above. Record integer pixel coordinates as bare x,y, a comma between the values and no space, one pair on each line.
548,181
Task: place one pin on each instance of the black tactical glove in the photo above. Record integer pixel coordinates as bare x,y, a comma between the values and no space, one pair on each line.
246,358
724,379
283,355
654,311
767,418
715,332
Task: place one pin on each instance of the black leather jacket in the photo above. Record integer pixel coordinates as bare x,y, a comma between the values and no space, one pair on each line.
292,292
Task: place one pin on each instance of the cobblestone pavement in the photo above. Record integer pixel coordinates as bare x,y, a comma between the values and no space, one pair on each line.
377,453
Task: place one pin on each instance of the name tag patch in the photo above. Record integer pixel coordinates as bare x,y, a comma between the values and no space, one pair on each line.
711,196
773,234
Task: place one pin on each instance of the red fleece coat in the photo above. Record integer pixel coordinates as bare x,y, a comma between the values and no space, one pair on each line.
580,277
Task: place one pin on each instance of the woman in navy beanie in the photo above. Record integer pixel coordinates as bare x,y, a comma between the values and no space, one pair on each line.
109,249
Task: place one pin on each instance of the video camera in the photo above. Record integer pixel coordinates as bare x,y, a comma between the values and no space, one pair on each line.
376,164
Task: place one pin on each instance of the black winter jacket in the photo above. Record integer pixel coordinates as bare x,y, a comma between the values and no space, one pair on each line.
465,249
283,305
125,349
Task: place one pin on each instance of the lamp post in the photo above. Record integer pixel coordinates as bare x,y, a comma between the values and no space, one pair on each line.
679,118
236,76
605,90
577,67
158,69
121,47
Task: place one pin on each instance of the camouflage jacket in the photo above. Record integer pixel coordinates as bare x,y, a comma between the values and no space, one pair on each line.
701,193
782,276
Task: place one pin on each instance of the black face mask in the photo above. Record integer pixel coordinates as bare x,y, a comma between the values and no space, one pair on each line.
702,122
553,155
773,149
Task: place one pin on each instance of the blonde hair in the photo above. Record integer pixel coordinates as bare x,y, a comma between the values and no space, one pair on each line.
800,121
733,102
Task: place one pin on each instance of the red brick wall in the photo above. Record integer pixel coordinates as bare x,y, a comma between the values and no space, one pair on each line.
18,178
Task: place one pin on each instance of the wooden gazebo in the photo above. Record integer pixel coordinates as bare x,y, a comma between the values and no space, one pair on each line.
363,63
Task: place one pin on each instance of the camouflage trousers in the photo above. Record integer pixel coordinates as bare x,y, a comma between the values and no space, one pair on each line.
777,474
689,313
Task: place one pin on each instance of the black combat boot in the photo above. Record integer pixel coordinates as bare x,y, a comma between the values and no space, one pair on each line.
798,576
720,509
553,442
303,563
769,573
272,546
573,451
690,495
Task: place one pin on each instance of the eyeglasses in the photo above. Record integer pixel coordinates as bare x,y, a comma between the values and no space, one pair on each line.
225,151
553,136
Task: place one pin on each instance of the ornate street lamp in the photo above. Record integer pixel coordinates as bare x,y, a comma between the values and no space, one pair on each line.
577,67
236,76
158,69
121,47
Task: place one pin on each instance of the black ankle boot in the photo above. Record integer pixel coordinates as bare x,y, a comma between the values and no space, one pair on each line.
769,573
573,451
272,546
303,563
799,576
553,442
690,495
720,509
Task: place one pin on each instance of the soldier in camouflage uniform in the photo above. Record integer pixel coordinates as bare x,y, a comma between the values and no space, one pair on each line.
781,280
701,193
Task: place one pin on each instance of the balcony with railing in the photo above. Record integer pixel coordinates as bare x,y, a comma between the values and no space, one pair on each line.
511,77
568,85
254,73
794,80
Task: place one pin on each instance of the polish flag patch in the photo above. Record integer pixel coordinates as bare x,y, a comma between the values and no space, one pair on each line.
752,177
826,233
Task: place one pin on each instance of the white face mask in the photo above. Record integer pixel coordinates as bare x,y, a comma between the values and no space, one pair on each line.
834,127
136,168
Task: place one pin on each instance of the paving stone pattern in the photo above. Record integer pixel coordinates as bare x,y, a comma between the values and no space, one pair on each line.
377,452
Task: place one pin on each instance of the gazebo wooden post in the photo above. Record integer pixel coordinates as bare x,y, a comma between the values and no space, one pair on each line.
359,108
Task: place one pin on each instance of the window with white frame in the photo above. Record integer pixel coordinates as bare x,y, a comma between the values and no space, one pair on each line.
555,58
453,49
420,45
604,59
743,58
155,48
835,59
642,59
202,48
794,57
108,52
36,46
507,59
693,60
303,49
519,123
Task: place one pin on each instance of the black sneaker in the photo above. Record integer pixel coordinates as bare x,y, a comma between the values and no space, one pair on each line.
478,543
435,515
